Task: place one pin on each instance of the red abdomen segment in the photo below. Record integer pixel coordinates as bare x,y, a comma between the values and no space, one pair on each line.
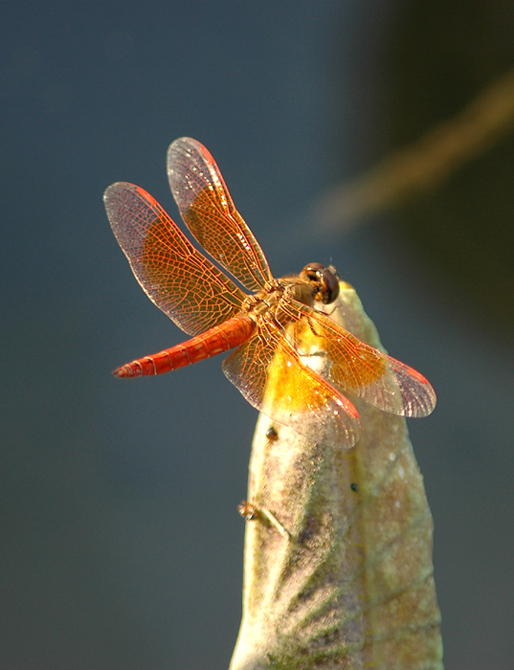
214,341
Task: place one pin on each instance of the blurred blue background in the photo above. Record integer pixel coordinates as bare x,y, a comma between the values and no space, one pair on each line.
121,545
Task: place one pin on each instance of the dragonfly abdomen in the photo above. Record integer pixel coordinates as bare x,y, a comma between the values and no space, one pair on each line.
214,341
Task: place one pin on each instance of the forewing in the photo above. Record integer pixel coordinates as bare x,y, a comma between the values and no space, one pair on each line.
174,275
361,370
210,214
270,375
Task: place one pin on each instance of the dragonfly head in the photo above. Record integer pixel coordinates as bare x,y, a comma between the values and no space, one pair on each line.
325,281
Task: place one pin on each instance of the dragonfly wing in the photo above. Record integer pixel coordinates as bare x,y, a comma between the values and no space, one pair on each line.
209,212
269,373
359,369
176,277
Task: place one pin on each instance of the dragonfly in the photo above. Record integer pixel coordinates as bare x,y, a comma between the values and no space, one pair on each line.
291,360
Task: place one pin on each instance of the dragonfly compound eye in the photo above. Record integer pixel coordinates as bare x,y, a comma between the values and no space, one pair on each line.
325,280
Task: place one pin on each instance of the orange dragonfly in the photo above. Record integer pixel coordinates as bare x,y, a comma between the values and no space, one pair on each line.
274,328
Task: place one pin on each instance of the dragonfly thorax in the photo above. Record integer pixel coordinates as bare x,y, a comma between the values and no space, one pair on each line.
315,283
267,299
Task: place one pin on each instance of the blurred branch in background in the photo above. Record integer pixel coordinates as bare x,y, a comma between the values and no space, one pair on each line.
424,165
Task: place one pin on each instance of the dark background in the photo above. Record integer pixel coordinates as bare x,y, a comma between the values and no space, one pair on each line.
121,546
